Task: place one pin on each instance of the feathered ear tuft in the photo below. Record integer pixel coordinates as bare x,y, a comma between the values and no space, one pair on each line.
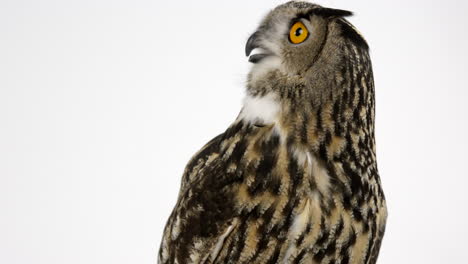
331,12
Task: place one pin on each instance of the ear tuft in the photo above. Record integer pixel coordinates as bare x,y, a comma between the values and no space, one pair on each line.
331,12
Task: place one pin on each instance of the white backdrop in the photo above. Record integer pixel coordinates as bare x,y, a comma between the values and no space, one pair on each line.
103,102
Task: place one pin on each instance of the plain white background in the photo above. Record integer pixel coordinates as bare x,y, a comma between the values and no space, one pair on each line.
103,102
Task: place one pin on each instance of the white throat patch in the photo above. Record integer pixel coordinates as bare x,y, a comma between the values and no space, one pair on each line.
263,109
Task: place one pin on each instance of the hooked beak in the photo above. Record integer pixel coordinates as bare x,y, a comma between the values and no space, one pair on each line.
253,43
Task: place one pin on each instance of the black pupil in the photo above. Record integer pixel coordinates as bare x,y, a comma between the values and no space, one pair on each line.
298,32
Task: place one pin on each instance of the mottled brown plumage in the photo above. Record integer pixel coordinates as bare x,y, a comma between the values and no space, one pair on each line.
294,179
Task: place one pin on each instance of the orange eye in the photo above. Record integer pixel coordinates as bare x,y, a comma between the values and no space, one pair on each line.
298,33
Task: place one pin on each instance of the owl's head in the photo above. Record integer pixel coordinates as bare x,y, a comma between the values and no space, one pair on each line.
302,48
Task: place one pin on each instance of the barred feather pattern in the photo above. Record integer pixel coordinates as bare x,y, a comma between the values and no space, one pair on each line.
304,189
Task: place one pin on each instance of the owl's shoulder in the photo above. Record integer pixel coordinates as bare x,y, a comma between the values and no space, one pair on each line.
204,208
208,154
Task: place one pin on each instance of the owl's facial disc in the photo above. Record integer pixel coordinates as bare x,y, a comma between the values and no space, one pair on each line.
298,33
277,39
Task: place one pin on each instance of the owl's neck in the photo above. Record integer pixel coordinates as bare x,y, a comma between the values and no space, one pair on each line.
261,110
339,134
327,131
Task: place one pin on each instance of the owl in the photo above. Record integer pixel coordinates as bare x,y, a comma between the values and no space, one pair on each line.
294,179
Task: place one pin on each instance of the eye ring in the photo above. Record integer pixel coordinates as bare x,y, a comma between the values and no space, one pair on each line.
298,33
